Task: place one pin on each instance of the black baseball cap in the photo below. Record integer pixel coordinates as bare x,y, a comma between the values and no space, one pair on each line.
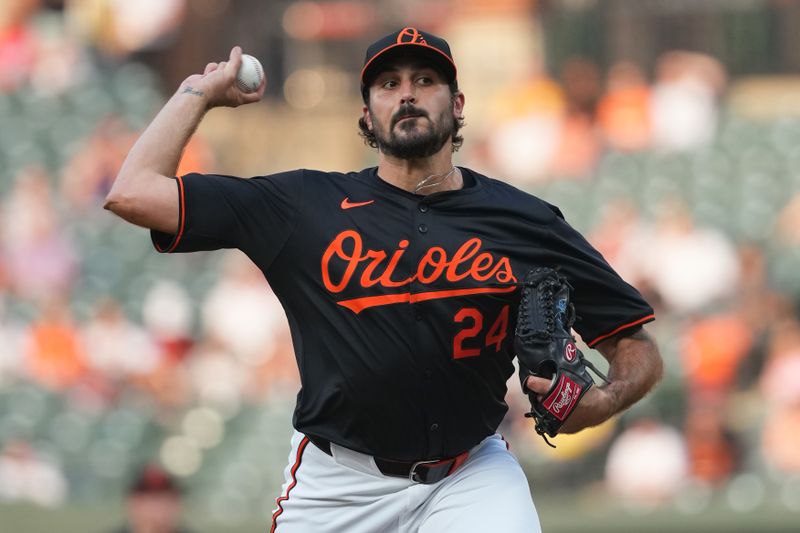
408,40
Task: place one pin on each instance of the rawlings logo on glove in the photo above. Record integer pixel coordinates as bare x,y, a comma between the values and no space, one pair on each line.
567,393
545,348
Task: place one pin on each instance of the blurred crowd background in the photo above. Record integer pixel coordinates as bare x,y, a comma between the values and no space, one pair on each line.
668,131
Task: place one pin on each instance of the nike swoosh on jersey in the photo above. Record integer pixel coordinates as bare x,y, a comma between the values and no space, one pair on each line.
347,204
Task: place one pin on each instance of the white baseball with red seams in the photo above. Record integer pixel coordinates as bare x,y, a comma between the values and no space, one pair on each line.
250,74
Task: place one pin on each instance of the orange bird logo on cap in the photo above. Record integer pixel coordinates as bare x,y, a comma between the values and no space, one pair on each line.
414,36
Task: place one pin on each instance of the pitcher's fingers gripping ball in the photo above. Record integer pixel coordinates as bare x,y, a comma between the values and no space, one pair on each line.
545,347
250,74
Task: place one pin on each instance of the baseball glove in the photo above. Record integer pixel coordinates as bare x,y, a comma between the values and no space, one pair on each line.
545,347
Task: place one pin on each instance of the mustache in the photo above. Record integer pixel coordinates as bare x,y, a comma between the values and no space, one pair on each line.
407,110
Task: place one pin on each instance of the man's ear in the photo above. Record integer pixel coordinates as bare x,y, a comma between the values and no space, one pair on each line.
367,117
458,105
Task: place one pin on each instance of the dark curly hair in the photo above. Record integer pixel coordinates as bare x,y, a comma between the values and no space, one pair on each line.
369,137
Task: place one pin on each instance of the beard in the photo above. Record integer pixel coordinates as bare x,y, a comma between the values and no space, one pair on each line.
414,138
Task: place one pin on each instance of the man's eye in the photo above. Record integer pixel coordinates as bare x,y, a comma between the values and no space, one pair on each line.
389,84
424,80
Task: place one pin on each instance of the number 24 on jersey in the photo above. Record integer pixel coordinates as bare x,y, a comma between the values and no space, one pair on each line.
472,337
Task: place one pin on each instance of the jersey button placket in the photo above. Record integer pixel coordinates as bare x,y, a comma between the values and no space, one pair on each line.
422,224
422,227
435,437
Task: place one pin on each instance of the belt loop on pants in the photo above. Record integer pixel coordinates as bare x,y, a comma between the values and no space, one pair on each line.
425,472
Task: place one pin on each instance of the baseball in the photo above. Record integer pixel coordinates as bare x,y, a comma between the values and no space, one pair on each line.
250,74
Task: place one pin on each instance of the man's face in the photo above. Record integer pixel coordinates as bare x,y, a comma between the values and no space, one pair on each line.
157,512
411,110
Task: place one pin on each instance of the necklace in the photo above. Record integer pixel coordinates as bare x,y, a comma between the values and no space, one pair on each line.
424,182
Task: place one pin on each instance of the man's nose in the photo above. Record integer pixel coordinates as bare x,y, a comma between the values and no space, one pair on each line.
408,94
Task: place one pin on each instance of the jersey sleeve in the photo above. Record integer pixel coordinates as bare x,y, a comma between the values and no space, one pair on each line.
605,304
255,215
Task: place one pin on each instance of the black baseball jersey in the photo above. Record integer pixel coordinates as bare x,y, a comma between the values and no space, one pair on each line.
401,306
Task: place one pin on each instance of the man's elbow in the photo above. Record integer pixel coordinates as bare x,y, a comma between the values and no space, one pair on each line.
127,194
110,202
656,364
658,373
115,202
124,204
148,203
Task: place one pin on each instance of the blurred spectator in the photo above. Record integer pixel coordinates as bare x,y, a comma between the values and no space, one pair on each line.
787,223
754,285
527,117
713,449
647,464
37,50
54,354
578,145
278,376
61,63
154,503
713,347
168,384
580,81
168,314
12,364
218,379
119,28
783,363
87,176
778,385
691,267
116,347
759,305
197,157
684,100
17,42
41,260
578,148
29,210
242,313
623,113
779,439
620,235
29,477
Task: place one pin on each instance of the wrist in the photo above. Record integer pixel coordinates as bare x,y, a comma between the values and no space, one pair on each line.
193,96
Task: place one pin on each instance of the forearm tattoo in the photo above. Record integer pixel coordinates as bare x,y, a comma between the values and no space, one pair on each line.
192,90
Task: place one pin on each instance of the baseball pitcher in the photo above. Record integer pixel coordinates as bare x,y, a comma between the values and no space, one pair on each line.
410,288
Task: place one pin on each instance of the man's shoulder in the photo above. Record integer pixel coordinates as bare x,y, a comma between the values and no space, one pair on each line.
312,177
335,175
288,175
500,187
512,196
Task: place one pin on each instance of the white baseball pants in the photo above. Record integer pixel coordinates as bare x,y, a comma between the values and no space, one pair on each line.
347,493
